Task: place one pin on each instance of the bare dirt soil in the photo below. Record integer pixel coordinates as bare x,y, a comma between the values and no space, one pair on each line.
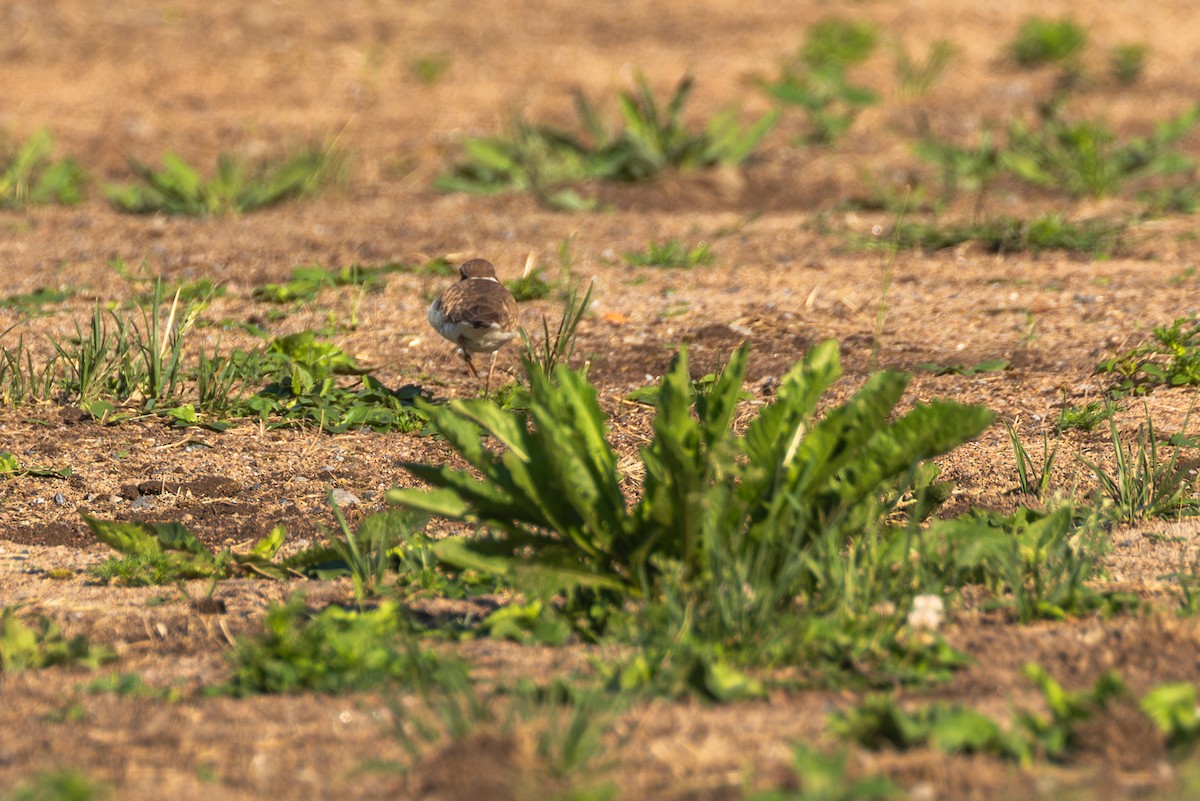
199,78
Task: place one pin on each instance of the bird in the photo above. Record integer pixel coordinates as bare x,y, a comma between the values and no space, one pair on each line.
478,314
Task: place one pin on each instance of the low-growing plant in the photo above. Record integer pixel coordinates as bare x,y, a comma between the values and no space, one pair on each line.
367,551
1127,62
953,728
1039,564
670,254
237,186
1049,42
60,785
1086,159
652,138
1170,359
11,467
816,79
334,650
1174,710
40,643
28,174
986,366
308,280
710,500
1086,417
304,388
167,553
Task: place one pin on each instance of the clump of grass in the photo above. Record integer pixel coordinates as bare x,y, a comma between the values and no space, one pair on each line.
671,254
1142,485
238,185
1086,417
28,175
1098,237
816,78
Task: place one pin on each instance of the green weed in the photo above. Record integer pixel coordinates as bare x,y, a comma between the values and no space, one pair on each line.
1127,62
816,79
1098,237
1039,564
986,366
651,138
556,495
1170,359
40,644
167,553
34,303
671,254
307,281
332,651
1086,417
952,728
1087,160
238,185
1048,42
823,777
29,175
11,467
63,785
367,552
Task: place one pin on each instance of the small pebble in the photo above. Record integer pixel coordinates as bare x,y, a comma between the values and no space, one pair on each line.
344,497
60,499
142,502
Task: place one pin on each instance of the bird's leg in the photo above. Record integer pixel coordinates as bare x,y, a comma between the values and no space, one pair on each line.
487,388
470,365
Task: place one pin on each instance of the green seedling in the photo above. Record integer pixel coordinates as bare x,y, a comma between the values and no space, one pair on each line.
1174,710
367,552
29,175
429,69
816,78
1039,564
34,303
671,254
238,185
823,777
